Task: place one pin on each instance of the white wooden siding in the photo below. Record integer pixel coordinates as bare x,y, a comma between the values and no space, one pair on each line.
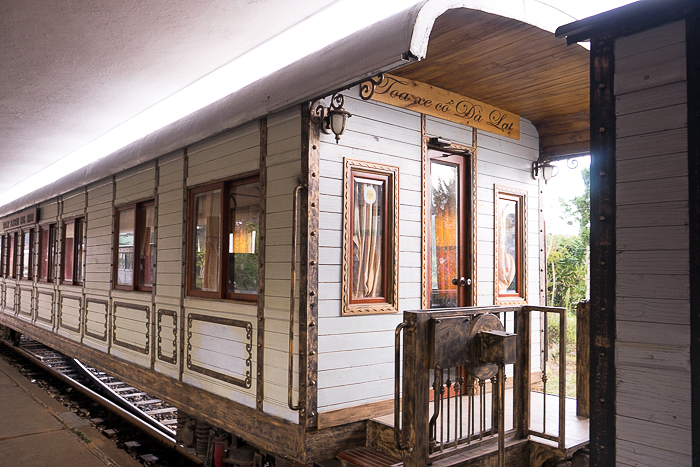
99,225
652,350
356,353
135,184
283,172
233,153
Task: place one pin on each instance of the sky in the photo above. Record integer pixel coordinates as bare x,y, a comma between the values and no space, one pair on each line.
289,46
566,185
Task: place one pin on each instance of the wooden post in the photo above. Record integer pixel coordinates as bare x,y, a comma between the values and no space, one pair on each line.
416,381
521,382
603,272
583,356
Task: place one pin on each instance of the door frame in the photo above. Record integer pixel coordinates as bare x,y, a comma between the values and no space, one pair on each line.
469,211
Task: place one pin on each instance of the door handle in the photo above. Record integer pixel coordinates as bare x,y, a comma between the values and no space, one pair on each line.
462,282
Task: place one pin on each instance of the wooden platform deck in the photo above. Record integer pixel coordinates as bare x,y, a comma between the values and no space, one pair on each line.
576,429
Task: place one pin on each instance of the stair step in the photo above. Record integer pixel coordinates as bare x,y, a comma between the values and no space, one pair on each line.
367,457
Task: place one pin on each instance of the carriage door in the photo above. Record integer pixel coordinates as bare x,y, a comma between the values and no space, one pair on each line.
449,280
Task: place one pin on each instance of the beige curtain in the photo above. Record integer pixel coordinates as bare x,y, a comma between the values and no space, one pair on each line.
367,244
210,213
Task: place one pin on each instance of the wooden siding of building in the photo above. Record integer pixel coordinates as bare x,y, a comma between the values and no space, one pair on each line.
356,353
283,175
653,329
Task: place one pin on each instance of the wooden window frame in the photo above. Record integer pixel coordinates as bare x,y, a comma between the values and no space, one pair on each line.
14,260
30,266
520,296
73,280
137,207
3,240
389,175
225,187
50,230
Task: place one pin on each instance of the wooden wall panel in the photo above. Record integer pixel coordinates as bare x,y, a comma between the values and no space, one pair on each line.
135,184
99,236
380,134
653,334
73,204
283,175
233,153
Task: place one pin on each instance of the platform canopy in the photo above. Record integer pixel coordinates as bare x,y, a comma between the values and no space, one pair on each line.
83,68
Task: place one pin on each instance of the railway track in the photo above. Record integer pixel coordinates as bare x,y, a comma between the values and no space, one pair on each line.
150,415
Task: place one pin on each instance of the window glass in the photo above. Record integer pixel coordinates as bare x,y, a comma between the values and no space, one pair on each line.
2,255
12,254
125,246
26,254
80,250
44,241
68,250
147,244
243,238
507,251
206,241
367,238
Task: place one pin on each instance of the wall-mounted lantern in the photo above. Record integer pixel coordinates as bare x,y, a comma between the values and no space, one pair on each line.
544,169
333,118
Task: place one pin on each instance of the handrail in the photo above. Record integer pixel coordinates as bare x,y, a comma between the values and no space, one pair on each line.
295,222
397,386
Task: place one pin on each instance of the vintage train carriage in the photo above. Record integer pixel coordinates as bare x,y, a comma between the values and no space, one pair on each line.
177,262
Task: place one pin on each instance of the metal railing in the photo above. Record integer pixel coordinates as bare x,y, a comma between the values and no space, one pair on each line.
453,399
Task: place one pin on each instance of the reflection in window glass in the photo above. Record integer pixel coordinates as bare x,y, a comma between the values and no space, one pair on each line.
444,198
125,245
80,250
26,257
243,233
45,252
367,238
507,250
207,241
68,250
147,246
12,255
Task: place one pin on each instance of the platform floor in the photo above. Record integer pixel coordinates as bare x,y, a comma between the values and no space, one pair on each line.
38,431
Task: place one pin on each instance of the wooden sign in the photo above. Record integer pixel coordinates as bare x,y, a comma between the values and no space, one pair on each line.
26,217
440,103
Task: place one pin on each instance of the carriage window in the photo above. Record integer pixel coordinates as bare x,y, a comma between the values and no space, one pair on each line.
73,271
47,236
510,246
27,254
224,239
2,255
370,233
136,250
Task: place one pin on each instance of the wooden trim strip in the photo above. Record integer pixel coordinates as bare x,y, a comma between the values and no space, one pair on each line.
245,382
89,333
308,266
260,359
61,324
173,315
692,26
355,413
128,345
603,134
267,432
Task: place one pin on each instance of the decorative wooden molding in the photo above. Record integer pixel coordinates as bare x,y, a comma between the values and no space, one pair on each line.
440,103
392,210
89,333
260,359
173,315
128,345
522,298
425,200
61,324
244,382
473,216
